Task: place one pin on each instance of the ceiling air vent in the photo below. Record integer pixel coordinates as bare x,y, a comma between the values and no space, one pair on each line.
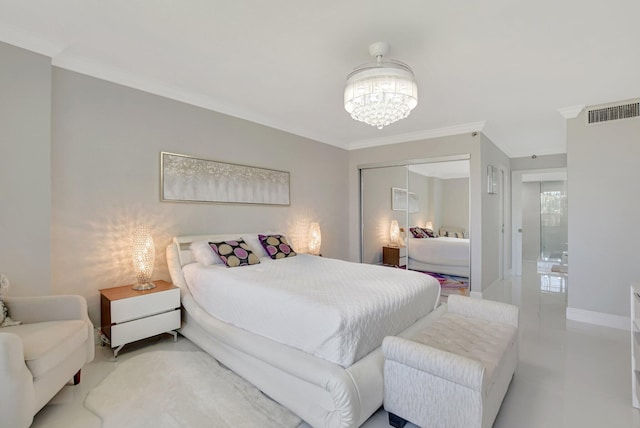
622,111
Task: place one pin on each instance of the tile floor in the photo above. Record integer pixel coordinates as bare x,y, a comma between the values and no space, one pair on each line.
570,374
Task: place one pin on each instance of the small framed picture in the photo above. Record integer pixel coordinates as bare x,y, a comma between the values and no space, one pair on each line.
398,199
492,179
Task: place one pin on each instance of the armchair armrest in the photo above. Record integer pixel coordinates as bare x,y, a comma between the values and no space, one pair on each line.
17,396
454,368
47,308
487,310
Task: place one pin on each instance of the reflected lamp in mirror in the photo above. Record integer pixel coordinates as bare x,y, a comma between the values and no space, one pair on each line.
315,239
144,254
394,233
402,241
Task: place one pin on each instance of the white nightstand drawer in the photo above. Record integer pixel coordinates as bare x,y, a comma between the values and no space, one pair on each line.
144,327
144,305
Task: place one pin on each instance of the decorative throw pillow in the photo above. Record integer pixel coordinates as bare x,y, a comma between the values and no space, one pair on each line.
3,311
5,319
418,232
234,253
428,232
277,246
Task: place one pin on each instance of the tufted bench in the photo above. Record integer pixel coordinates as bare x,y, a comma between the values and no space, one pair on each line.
456,372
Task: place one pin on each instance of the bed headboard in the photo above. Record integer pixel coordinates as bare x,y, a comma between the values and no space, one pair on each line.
183,243
179,251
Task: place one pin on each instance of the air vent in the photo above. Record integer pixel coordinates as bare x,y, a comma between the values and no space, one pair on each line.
623,111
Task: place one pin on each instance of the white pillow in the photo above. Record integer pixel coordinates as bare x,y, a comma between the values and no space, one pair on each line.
203,253
256,246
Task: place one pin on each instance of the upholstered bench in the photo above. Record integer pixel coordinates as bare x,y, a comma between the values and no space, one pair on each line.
456,372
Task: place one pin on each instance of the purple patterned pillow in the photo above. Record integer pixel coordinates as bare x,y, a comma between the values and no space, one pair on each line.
276,246
428,232
234,253
418,232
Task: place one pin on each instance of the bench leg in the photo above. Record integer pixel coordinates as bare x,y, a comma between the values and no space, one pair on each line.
76,377
396,421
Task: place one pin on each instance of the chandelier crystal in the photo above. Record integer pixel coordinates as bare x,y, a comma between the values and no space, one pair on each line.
382,92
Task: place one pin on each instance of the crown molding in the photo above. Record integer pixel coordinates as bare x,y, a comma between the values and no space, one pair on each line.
571,112
29,41
64,59
420,135
89,67
543,152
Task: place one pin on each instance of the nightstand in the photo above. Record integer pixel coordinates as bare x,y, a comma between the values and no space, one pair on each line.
128,315
394,256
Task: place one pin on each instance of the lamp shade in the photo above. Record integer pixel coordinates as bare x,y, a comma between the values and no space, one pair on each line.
394,233
429,225
315,239
143,254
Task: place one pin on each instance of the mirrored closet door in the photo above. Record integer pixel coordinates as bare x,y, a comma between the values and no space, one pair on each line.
416,215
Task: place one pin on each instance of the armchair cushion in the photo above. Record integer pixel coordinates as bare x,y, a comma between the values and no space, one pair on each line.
47,344
47,308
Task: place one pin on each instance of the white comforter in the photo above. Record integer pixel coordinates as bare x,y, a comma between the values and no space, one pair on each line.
440,251
336,310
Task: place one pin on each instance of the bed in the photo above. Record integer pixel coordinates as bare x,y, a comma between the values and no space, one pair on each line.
328,380
445,255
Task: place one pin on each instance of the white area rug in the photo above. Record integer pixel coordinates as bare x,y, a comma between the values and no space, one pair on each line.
167,389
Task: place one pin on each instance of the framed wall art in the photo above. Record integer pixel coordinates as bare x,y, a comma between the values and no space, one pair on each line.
190,179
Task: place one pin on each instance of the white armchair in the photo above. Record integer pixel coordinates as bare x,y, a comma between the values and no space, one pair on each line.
41,355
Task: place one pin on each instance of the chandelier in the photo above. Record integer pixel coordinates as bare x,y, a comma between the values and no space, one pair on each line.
382,92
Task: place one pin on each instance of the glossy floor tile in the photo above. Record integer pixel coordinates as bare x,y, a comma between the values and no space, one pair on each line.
570,374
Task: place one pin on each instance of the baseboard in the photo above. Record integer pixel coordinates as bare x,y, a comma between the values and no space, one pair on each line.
475,294
489,292
599,318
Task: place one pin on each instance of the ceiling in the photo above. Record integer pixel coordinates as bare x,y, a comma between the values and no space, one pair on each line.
502,67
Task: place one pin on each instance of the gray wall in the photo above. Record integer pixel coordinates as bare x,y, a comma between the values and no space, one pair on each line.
419,184
376,209
455,203
604,209
25,171
105,164
493,234
485,231
83,156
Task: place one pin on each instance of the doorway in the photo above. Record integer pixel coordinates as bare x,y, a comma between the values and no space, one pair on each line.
540,220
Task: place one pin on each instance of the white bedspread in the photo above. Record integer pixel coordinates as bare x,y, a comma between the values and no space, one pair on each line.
336,310
440,251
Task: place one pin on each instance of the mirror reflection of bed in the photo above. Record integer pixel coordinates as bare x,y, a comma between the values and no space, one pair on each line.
437,203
